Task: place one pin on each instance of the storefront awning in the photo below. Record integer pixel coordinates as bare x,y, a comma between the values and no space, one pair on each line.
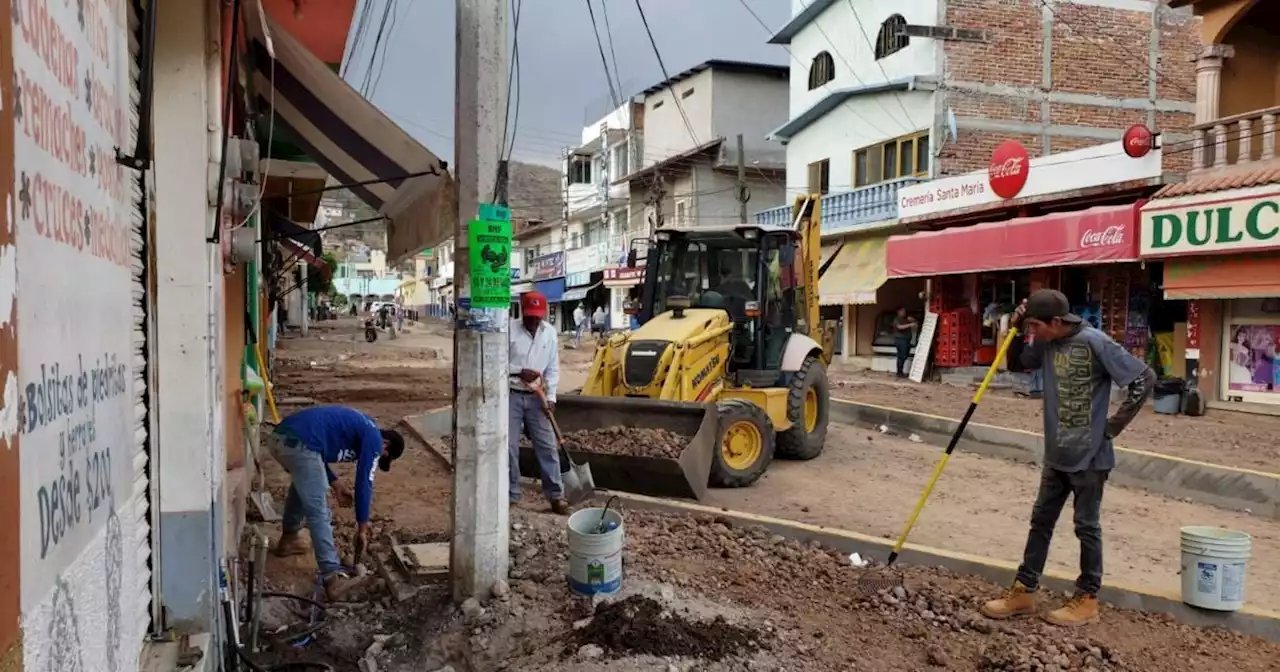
1104,234
853,274
578,293
1243,276
552,289
520,288
298,241
350,138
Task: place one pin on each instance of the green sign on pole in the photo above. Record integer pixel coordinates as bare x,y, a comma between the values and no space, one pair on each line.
495,212
489,244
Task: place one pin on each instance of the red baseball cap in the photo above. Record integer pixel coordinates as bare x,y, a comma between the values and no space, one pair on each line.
533,304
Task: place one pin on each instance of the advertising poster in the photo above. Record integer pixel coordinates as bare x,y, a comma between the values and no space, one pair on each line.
1252,358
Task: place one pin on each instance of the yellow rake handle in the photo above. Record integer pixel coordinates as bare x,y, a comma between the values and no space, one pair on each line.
955,439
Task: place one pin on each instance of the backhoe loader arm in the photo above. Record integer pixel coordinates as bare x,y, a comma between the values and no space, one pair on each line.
807,215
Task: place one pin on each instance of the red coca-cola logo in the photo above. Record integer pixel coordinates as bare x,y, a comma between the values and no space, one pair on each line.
1138,141
1112,235
1009,169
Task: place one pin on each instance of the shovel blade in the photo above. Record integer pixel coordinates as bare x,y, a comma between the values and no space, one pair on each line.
266,506
579,486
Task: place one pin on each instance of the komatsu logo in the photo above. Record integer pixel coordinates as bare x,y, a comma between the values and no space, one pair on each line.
706,371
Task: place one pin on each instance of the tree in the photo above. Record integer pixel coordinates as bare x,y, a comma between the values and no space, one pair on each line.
319,280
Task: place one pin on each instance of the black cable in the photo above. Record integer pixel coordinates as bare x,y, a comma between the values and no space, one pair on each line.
362,26
377,180
233,67
373,57
613,91
608,31
666,77
519,84
325,228
395,14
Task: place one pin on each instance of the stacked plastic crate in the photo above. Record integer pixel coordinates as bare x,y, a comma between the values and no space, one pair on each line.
957,334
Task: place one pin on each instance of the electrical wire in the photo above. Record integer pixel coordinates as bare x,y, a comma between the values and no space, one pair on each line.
872,48
608,31
395,15
377,44
613,91
665,76
362,25
1112,42
825,87
517,6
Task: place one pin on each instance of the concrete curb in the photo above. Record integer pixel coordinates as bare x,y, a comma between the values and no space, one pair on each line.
1232,488
1248,621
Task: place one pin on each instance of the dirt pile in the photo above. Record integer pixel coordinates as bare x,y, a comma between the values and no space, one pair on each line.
635,441
641,625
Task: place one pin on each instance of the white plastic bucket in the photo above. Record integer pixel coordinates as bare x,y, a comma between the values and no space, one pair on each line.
1214,564
595,559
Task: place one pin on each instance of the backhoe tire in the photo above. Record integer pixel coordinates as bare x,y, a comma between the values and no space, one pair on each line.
809,410
744,446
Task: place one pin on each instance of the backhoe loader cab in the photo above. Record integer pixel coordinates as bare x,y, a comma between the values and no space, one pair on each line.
725,326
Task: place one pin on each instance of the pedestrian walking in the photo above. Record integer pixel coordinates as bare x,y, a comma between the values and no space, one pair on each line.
579,324
1079,364
598,318
534,361
902,329
305,444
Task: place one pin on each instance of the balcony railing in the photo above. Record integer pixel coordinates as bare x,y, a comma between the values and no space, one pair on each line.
1236,140
848,210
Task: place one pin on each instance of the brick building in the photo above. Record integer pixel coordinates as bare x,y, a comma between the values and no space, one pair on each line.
888,94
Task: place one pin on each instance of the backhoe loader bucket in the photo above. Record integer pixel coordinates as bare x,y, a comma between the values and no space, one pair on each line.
685,477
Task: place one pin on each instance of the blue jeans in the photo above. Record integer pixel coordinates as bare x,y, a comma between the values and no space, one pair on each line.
527,419
307,502
1085,489
1037,380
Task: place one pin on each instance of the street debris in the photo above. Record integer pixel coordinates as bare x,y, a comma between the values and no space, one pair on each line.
642,625
641,442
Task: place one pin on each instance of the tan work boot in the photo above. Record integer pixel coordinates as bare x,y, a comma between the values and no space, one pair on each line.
1017,601
559,506
1079,610
291,543
338,586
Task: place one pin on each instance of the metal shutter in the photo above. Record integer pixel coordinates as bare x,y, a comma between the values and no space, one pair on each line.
138,549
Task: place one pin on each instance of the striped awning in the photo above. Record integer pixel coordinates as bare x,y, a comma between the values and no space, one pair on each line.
854,274
350,138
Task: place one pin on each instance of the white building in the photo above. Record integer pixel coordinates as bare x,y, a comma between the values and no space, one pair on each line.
596,206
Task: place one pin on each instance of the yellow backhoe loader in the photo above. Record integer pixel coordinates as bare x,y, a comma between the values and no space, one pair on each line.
730,352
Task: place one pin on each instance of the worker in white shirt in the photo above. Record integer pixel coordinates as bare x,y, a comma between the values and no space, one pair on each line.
579,324
535,361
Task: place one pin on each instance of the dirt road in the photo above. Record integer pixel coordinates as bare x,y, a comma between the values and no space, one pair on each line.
869,482
802,606
1222,437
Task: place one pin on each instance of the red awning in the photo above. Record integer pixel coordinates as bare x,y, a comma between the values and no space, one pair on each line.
1103,234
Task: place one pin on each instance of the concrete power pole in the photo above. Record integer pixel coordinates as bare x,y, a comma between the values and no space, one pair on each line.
478,557
742,183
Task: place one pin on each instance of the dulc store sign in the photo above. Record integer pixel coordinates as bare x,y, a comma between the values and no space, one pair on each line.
1222,222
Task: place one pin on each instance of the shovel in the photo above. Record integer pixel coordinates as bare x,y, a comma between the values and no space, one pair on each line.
578,484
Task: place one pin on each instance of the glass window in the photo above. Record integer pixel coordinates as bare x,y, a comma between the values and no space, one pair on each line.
861,178
922,155
890,152
907,157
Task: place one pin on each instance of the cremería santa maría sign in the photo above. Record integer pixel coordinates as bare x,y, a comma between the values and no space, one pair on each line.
1210,224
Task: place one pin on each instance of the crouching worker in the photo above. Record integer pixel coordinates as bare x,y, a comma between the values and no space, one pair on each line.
305,443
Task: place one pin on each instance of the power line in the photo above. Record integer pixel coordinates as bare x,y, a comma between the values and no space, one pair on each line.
802,64
1142,59
395,15
608,31
666,77
377,43
512,120
872,48
362,25
613,92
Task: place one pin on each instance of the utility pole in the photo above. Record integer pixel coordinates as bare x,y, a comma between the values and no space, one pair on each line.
478,556
742,183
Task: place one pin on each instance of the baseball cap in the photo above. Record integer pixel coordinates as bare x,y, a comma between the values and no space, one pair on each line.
1046,304
395,448
533,304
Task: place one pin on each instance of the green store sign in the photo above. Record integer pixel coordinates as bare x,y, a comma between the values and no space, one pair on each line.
1211,226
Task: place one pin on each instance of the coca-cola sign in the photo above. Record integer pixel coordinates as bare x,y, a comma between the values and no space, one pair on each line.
1138,141
1112,235
1009,169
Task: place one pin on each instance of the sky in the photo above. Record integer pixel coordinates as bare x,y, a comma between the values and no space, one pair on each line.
561,73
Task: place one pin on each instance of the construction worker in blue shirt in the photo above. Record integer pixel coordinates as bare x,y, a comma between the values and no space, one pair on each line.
305,444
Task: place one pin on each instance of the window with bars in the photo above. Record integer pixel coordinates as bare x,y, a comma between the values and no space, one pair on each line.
821,70
820,176
892,37
907,156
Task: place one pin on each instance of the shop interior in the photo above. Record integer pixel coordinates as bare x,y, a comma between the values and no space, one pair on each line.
1124,300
